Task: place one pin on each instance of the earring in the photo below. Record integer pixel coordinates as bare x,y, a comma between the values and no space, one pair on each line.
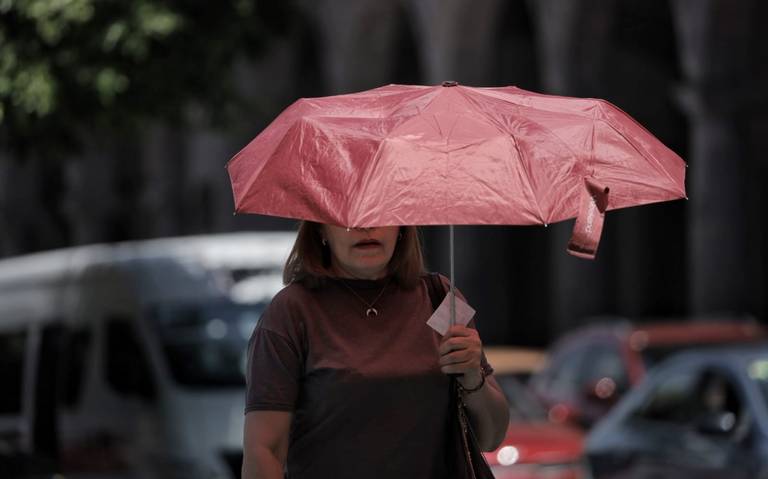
400,235
324,241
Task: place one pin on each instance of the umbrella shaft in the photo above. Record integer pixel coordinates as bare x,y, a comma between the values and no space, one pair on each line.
453,296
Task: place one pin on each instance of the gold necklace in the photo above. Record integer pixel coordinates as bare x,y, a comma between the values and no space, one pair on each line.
370,311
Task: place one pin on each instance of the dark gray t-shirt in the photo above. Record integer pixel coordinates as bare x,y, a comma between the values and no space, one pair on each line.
367,394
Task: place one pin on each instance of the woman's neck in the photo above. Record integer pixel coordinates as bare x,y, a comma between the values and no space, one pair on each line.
341,272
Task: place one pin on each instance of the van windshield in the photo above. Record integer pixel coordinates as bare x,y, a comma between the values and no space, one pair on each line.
205,344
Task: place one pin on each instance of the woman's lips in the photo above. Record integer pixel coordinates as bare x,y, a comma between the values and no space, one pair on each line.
367,244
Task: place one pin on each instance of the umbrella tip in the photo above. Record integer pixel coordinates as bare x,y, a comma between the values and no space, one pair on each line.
546,225
450,83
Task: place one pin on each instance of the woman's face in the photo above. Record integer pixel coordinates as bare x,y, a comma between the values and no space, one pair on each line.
361,252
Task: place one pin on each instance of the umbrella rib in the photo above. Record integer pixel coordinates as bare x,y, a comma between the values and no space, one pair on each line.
600,103
492,121
365,180
527,179
254,176
496,124
649,158
362,185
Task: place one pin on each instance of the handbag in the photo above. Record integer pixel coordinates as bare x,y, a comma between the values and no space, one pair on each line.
470,462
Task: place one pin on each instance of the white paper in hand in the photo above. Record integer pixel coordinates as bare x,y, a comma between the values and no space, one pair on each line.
441,318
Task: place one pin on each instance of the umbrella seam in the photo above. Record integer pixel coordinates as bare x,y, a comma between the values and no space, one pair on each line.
649,158
524,160
365,181
599,103
524,163
483,93
540,125
254,176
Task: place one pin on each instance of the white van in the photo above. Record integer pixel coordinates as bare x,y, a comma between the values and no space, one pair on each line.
127,360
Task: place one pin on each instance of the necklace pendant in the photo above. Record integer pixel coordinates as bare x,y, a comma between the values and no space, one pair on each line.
371,312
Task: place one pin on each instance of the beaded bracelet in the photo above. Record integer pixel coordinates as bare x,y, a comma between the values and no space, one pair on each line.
476,388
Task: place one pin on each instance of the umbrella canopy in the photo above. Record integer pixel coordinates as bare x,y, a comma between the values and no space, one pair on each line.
451,154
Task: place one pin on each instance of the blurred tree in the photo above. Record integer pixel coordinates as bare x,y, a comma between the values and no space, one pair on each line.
67,65
83,83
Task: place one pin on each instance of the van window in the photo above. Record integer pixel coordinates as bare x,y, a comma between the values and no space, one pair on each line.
76,350
127,368
205,344
12,347
45,432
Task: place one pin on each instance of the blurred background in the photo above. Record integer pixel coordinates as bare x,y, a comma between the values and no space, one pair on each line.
117,118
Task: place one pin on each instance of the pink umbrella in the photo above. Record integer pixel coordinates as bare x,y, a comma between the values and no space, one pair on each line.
434,155
451,154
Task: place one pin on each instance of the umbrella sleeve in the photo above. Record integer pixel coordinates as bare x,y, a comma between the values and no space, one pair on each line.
589,223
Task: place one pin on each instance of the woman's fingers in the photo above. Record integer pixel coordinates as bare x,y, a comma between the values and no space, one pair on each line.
460,350
459,337
459,357
460,330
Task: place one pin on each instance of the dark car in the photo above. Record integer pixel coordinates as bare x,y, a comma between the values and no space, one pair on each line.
702,414
534,447
590,369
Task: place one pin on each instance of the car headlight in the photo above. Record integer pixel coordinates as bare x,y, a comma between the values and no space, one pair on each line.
508,455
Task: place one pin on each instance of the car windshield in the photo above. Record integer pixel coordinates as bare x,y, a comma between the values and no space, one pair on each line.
522,405
205,344
653,355
758,371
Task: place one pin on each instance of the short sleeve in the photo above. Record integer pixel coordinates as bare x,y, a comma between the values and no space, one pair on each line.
275,364
273,374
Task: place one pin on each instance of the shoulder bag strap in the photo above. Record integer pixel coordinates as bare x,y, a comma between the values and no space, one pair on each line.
436,289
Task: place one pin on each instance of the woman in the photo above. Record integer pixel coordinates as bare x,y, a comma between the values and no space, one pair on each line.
346,379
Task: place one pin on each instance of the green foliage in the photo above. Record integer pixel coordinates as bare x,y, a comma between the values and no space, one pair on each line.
66,65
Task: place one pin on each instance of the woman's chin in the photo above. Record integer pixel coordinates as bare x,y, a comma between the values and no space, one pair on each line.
367,271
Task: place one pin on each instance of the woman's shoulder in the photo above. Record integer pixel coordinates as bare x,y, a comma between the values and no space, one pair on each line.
446,283
292,293
427,276
286,309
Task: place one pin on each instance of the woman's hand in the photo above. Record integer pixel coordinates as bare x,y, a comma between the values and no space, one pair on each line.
460,353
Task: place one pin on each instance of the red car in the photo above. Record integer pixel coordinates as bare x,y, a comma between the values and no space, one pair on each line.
534,448
591,368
